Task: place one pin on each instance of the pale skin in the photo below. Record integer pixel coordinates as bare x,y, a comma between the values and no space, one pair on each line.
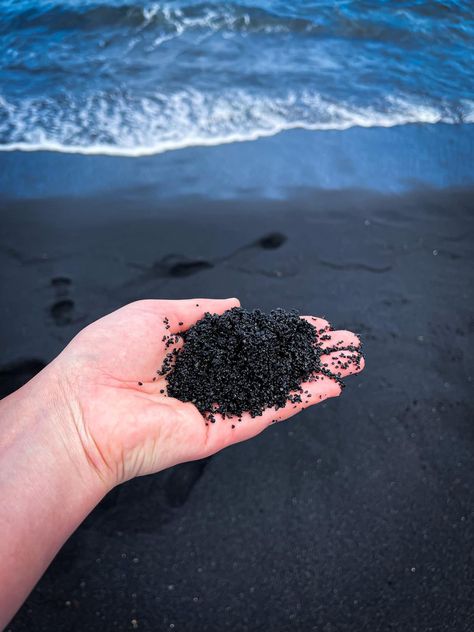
94,418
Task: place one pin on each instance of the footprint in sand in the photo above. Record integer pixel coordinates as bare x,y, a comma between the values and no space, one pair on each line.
63,309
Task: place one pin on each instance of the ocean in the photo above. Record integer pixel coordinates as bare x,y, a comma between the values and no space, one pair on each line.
128,78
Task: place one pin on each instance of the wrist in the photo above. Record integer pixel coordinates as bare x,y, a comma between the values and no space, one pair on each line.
47,486
41,419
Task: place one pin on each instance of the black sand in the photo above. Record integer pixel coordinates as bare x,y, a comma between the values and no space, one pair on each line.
356,515
247,361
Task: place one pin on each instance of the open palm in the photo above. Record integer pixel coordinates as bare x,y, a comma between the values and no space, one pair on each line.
126,423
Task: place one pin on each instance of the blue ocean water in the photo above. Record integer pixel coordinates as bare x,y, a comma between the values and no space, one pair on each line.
133,77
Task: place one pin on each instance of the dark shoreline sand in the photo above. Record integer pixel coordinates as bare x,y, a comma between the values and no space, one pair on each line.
357,515
393,159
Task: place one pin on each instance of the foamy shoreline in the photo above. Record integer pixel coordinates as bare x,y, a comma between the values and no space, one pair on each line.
384,159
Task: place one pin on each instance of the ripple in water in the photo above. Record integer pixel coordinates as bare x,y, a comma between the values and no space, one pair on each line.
140,78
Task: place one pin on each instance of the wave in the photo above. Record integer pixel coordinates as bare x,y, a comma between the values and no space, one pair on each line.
130,126
168,17
172,19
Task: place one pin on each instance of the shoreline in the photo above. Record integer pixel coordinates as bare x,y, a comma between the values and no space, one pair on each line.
118,151
392,159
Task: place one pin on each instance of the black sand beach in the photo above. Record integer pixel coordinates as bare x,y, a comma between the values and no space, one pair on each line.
357,514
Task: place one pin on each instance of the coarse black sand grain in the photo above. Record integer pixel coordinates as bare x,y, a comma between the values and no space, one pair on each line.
247,361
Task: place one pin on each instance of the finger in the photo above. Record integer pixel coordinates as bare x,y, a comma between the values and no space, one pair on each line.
321,324
338,338
343,363
321,387
226,431
184,314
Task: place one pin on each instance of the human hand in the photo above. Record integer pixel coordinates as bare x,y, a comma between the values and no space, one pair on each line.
98,415
118,410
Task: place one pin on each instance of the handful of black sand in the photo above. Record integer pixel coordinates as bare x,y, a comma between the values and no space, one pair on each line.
244,361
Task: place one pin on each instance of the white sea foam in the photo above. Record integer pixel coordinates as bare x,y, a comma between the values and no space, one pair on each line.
125,125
